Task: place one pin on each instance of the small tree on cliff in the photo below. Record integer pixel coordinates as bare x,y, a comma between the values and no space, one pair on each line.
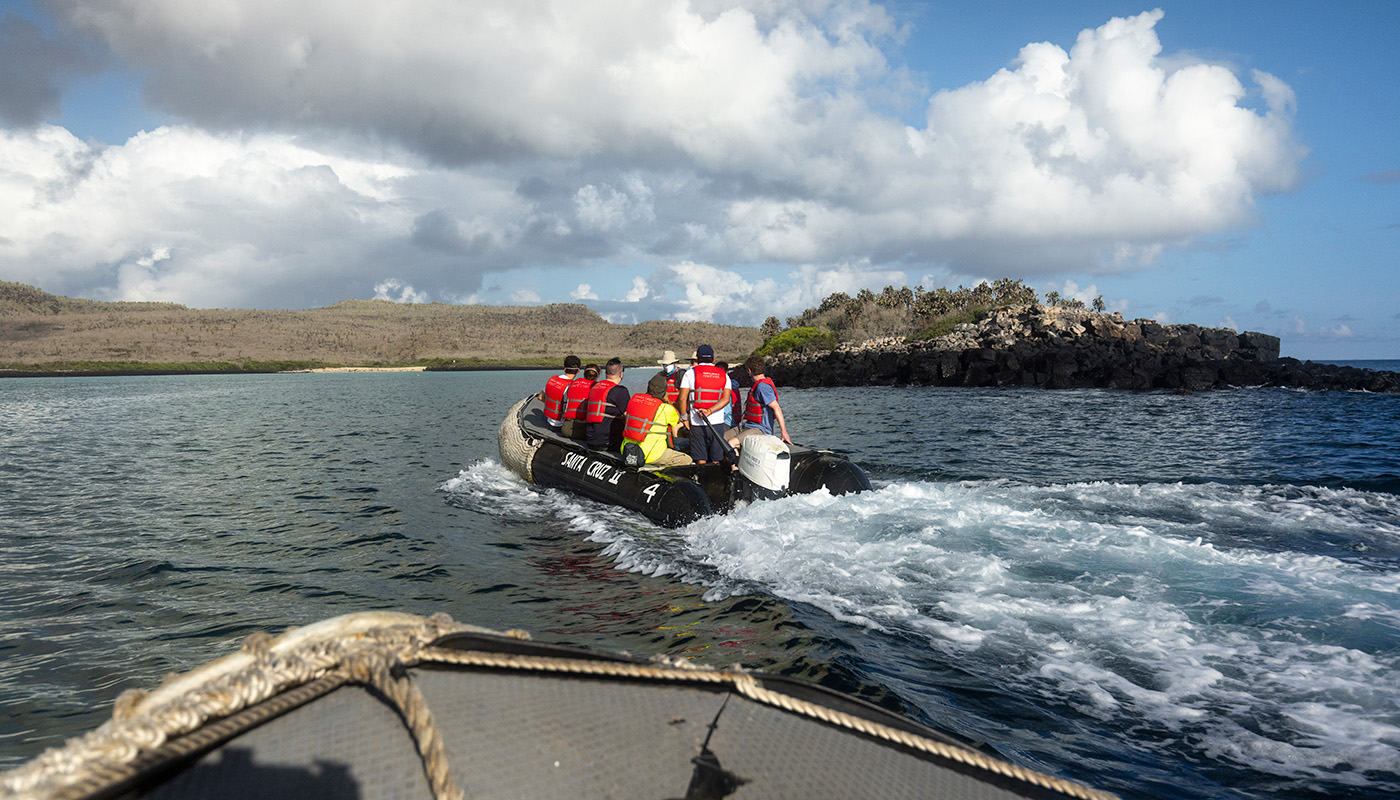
1010,292
770,328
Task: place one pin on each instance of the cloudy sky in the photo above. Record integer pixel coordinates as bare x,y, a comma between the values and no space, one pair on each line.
1230,164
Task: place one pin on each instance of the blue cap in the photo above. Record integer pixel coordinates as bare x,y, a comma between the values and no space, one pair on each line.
704,351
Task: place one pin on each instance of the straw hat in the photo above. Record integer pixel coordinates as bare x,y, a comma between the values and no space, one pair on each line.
668,357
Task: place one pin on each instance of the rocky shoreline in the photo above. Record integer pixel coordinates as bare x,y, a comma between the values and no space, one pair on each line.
1066,348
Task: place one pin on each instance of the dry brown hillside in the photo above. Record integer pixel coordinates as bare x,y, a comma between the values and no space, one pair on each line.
40,328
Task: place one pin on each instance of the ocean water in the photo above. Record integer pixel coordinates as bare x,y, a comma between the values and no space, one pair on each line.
1173,596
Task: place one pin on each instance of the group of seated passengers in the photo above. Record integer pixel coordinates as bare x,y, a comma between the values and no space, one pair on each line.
700,404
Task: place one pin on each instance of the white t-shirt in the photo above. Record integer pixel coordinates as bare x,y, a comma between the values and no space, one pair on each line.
688,382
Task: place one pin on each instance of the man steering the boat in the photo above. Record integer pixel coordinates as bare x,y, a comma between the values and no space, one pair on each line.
762,409
704,396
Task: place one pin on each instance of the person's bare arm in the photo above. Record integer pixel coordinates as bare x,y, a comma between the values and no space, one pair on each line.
782,423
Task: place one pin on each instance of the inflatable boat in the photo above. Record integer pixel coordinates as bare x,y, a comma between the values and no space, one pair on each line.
390,706
668,496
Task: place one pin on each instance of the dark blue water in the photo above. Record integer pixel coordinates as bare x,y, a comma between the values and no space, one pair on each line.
1174,596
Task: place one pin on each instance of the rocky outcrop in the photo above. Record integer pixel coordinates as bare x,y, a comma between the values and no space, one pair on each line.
1062,348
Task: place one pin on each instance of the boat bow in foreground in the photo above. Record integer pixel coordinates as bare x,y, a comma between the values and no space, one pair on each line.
387,705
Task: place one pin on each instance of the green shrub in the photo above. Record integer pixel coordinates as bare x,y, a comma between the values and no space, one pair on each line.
802,340
944,325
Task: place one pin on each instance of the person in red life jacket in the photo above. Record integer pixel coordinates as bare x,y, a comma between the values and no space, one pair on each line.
576,402
704,395
553,394
651,422
761,409
607,404
665,383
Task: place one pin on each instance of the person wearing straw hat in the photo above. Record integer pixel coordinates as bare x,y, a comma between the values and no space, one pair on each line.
664,384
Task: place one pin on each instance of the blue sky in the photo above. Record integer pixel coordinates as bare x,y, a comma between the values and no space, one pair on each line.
1222,164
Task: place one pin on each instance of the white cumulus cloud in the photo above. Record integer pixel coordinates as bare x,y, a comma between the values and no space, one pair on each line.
399,292
323,144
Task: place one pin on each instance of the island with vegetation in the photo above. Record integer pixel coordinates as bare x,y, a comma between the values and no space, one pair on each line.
1003,334
993,334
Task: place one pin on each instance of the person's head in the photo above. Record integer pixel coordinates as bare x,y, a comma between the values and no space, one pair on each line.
756,365
668,361
724,365
591,371
704,354
572,364
614,369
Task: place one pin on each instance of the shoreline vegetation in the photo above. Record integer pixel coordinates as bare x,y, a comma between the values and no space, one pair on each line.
993,334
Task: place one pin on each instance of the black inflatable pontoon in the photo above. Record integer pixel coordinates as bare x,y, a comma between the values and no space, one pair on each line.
388,706
669,496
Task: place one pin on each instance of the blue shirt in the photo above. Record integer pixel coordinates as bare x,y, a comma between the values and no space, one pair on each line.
729,410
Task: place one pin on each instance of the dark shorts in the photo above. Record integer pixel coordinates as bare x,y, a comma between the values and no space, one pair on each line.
707,442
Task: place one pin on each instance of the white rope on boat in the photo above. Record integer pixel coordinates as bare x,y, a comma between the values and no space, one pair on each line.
744,684
269,676
517,450
361,648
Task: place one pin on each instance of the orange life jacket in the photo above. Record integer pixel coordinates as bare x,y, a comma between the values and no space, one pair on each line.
641,416
710,385
753,409
576,398
554,396
598,401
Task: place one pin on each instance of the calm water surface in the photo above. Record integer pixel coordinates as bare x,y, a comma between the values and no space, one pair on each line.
1159,595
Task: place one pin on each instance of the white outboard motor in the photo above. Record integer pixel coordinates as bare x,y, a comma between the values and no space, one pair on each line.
766,462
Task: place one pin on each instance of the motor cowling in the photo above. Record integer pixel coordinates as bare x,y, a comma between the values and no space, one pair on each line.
766,461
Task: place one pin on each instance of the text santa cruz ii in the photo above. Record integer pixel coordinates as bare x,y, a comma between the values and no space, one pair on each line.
593,469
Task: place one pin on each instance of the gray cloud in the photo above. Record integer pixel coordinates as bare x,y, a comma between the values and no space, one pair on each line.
35,68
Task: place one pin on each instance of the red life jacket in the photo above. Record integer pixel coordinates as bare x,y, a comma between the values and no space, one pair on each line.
710,385
554,396
598,401
576,398
753,409
673,392
641,416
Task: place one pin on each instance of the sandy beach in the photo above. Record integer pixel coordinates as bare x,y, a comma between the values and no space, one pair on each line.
361,369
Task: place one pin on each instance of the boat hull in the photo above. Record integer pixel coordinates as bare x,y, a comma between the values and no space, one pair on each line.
663,498
670,496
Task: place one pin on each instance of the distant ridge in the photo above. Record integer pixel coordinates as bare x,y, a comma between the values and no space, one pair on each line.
45,332
19,298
